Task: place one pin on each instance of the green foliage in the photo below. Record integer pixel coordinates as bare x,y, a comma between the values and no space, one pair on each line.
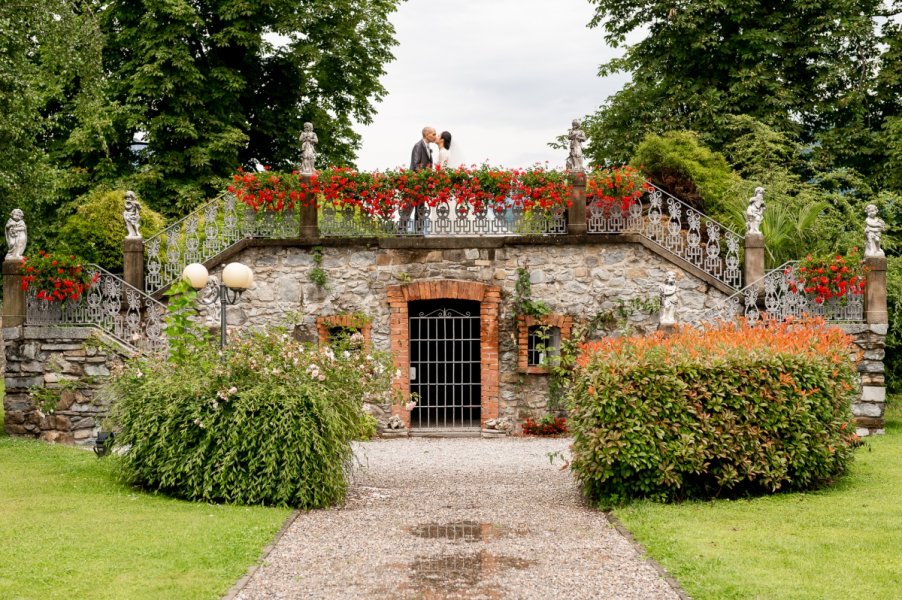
893,359
186,338
317,274
269,423
523,302
796,66
210,90
681,164
725,412
96,229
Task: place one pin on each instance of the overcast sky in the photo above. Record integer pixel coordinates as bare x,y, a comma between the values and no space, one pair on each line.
505,77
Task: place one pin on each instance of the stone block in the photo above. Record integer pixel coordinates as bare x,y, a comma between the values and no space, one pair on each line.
471,254
873,393
97,370
83,434
867,409
19,383
33,366
60,347
67,398
880,328
875,355
870,367
30,350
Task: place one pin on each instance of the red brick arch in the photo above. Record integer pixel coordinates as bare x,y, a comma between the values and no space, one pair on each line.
489,298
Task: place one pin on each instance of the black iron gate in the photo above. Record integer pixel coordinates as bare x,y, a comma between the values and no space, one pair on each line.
445,367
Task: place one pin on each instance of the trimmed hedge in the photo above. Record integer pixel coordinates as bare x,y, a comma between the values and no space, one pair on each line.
728,411
97,229
270,423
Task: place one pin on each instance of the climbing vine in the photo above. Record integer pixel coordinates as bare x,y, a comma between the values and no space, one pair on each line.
523,302
317,274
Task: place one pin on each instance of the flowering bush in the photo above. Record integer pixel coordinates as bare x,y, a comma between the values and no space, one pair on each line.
831,277
270,422
56,277
725,411
380,193
623,185
547,425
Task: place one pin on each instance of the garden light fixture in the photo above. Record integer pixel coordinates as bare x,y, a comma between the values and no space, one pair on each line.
236,278
103,443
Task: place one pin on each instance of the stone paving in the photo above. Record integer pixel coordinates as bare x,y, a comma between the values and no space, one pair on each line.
441,518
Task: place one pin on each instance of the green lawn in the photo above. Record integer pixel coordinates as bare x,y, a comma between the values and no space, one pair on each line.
845,542
69,530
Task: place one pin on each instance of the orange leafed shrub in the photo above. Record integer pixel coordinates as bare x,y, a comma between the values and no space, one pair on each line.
727,410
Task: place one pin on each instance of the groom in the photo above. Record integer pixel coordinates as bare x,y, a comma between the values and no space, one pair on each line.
420,158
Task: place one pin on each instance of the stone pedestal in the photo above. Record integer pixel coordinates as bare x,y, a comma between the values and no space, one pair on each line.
576,214
133,262
13,295
753,265
875,292
309,226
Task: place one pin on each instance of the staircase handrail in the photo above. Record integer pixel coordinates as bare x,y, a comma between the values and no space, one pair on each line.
129,315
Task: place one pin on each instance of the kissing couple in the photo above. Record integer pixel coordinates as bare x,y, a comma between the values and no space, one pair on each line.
422,156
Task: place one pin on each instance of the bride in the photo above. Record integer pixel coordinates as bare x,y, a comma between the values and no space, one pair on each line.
443,141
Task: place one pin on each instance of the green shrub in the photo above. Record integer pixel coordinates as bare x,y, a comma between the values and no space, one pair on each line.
729,411
687,169
96,230
893,357
269,423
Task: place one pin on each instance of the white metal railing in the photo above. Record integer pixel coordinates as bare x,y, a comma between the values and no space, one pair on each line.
781,294
111,305
705,243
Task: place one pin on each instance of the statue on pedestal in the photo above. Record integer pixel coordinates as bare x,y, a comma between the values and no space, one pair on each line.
669,301
308,149
577,137
132,216
16,234
754,214
873,230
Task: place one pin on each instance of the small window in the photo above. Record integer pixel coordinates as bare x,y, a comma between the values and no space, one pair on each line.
543,345
340,334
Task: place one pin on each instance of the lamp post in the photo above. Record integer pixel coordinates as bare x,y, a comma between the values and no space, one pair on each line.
236,278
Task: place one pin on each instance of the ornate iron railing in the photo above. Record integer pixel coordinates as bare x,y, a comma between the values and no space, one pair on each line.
444,219
208,230
111,305
705,243
780,294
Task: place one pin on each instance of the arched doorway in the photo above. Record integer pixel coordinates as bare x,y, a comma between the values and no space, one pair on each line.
431,317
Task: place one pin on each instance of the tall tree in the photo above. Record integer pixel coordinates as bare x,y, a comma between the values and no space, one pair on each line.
213,84
56,119
801,66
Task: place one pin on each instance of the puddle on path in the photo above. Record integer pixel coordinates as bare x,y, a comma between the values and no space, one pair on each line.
464,531
460,575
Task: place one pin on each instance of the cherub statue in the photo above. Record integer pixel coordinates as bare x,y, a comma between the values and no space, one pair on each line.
577,137
132,216
754,214
669,300
873,230
308,149
16,234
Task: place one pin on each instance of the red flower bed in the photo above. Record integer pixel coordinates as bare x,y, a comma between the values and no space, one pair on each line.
56,277
831,277
623,185
547,425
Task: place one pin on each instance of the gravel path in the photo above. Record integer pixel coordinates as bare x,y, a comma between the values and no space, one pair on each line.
432,518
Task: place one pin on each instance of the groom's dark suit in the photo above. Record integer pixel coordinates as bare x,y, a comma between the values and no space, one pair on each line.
420,158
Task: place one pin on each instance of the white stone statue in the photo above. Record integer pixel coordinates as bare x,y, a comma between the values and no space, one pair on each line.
132,216
669,300
16,235
577,137
308,149
754,214
873,230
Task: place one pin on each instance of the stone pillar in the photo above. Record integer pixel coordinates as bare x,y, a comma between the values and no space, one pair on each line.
133,262
13,295
309,226
753,265
875,292
576,214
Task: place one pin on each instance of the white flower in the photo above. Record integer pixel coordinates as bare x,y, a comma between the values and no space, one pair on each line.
233,390
321,377
139,375
346,354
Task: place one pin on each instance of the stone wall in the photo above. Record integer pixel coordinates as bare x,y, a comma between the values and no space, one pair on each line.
579,280
52,378
869,409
